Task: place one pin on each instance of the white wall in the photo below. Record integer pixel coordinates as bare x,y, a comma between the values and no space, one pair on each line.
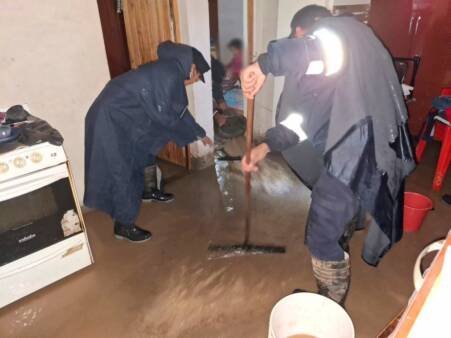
195,30
230,22
52,57
265,30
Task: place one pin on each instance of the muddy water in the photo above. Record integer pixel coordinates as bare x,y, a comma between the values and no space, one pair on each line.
272,178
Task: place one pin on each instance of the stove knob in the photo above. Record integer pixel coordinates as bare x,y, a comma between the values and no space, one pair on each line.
36,157
19,162
3,168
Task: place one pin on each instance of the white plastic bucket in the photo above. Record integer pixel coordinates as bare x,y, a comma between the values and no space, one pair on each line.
418,277
304,314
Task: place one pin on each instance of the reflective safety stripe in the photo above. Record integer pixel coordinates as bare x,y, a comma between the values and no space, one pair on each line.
315,67
294,123
332,48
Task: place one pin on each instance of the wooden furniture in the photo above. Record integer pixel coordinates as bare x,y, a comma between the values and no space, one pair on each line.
147,23
417,27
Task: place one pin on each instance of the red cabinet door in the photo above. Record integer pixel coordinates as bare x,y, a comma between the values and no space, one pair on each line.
393,22
432,42
417,27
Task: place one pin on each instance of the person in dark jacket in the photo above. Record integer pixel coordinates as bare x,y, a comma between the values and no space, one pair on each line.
131,120
219,104
341,126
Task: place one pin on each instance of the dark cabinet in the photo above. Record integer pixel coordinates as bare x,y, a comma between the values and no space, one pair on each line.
423,28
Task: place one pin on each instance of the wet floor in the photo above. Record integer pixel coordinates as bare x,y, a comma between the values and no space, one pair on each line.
168,288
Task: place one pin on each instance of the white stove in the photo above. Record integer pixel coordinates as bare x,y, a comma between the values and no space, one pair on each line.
23,160
42,233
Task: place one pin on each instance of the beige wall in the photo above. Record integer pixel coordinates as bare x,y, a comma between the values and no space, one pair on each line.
52,57
194,24
265,22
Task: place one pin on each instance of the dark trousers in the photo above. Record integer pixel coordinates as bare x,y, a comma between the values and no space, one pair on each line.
333,205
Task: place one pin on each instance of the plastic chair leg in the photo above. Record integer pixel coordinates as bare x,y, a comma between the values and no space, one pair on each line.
419,150
421,146
443,161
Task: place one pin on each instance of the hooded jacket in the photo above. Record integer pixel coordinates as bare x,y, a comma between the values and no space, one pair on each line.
131,120
355,119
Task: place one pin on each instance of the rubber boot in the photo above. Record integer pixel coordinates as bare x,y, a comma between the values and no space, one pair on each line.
332,278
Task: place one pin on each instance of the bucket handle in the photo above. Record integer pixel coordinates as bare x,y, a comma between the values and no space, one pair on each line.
418,277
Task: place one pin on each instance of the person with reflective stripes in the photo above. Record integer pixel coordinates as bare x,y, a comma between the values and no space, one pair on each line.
341,127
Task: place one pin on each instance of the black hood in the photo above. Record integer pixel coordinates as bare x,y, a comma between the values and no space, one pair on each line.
183,54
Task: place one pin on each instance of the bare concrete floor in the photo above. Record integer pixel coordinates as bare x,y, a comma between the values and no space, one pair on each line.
167,288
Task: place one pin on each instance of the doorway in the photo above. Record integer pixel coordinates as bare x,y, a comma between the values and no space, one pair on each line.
231,40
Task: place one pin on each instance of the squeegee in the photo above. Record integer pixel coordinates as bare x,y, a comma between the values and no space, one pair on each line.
246,247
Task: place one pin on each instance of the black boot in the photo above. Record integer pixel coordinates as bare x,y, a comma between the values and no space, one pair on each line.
131,233
157,196
153,190
332,278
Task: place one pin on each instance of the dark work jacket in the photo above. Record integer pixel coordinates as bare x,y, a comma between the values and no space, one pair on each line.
355,120
131,120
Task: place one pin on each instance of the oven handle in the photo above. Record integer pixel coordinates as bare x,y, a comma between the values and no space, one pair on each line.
63,253
34,181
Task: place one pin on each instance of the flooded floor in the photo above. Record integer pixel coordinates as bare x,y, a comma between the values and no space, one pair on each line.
167,287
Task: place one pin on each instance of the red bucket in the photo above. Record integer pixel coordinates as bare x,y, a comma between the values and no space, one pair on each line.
416,207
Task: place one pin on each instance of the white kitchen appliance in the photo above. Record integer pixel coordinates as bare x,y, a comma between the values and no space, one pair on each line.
42,233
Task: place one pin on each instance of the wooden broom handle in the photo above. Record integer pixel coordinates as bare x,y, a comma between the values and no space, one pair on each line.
249,129
247,175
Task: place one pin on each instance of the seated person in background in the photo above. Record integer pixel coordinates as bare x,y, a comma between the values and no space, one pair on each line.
236,64
217,76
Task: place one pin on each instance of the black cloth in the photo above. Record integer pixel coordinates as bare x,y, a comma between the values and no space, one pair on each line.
326,227
34,130
130,121
217,76
201,64
39,131
355,120
16,114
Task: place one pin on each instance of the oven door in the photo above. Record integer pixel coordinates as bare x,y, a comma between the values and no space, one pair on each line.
36,211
